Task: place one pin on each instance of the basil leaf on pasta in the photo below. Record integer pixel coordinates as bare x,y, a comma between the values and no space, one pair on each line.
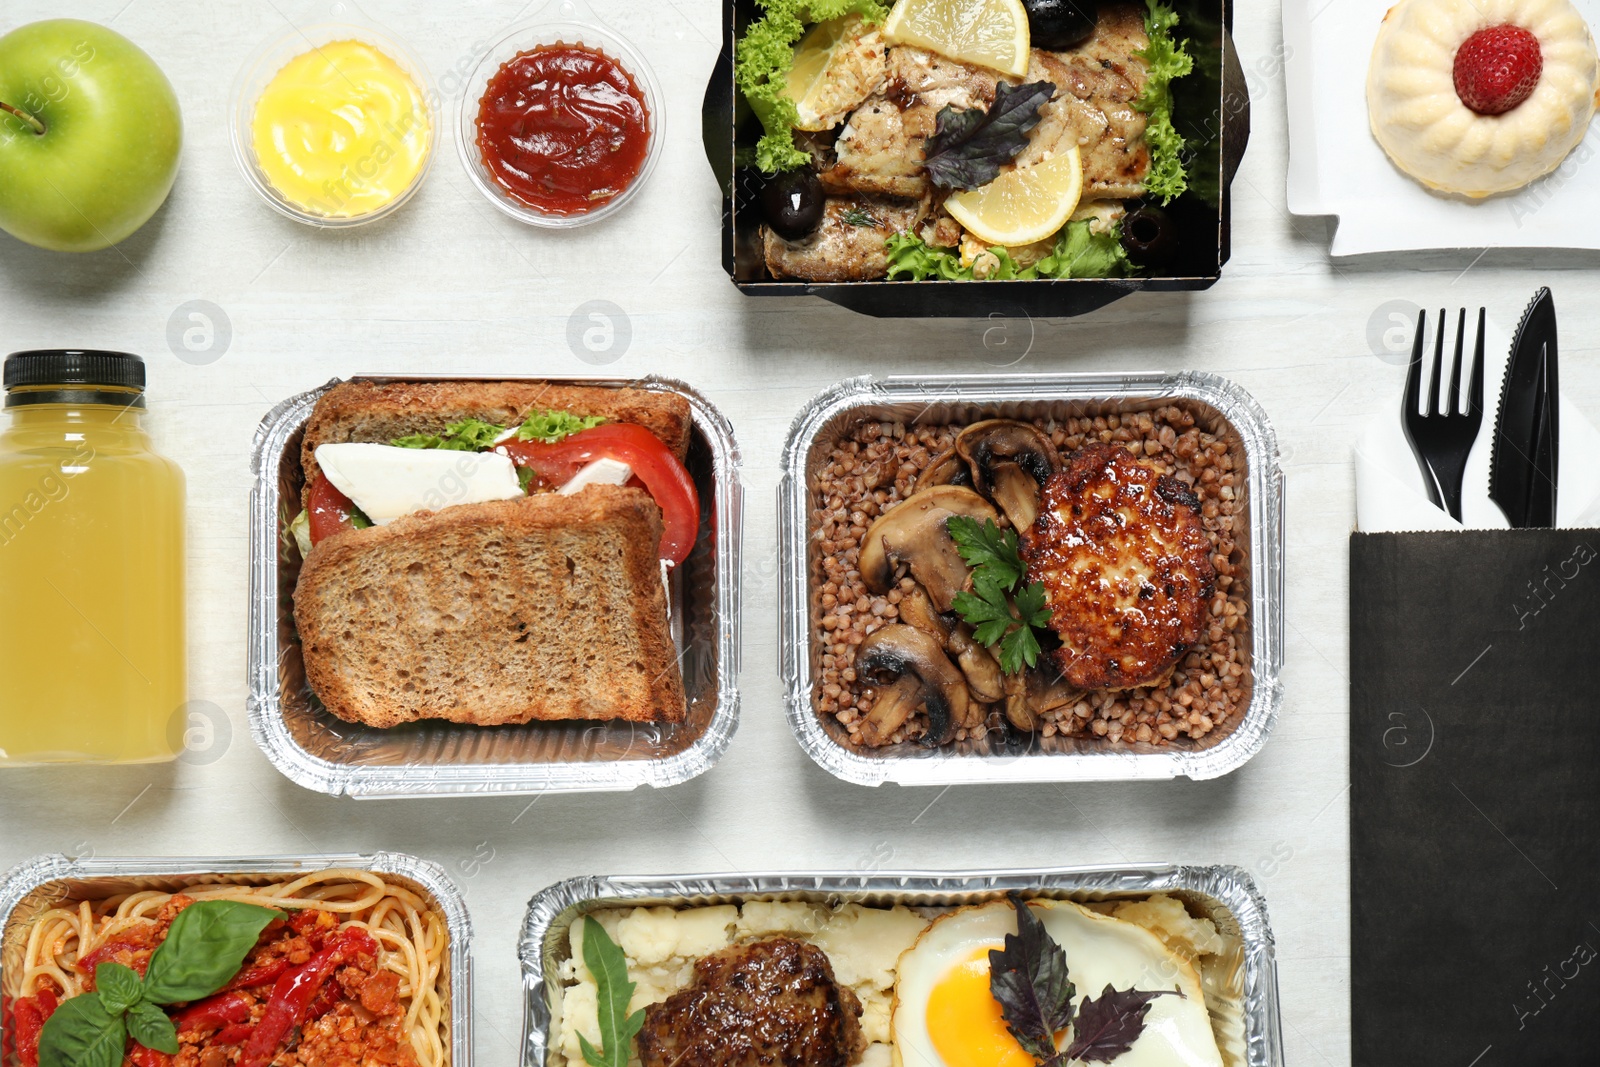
120,987
149,1025
204,948
82,1033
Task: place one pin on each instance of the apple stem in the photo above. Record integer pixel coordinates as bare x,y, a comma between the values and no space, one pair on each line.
38,127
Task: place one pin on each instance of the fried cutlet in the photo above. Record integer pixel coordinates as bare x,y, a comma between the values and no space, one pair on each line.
1126,565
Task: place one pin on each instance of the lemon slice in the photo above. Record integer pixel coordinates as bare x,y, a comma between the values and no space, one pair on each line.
989,33
1022,206
835,69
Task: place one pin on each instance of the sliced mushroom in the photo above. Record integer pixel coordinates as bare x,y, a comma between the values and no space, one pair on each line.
916,610
948,468
1010,460
918,672
1047,690
1018,713
977,663
913,534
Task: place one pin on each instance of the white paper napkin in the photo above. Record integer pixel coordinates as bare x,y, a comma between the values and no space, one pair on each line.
1390,492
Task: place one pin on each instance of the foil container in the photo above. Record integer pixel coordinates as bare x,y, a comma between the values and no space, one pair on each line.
1241,983
37,885
323,753
1217,404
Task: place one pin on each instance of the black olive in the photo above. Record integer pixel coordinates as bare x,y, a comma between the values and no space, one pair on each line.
792,203
1149,237
1059,24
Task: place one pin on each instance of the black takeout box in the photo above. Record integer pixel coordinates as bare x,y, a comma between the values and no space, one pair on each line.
1211,108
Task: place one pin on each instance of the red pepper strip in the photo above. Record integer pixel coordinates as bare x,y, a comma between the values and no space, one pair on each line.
213,1012
260,974
107,951
28,1016
140,1056
236,1034
326,1001
293,994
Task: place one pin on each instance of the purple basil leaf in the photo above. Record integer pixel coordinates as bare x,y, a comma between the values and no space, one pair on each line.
1028,976
1108,1025
969,146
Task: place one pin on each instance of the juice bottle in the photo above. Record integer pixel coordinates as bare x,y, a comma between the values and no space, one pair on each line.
92,644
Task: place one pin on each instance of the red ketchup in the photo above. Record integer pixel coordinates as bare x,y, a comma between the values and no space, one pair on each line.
563,128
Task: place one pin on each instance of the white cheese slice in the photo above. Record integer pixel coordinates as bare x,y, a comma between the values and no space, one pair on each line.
599,472
387,482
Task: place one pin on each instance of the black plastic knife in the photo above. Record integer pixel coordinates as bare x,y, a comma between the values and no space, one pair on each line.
1526,453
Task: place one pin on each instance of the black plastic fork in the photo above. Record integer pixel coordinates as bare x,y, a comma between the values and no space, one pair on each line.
1442,437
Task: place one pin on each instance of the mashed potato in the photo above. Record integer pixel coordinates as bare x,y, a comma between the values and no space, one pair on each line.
863,945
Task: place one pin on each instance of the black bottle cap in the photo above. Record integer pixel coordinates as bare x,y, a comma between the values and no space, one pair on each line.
74,366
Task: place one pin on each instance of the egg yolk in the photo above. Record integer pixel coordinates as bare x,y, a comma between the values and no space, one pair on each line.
341,130
964,1020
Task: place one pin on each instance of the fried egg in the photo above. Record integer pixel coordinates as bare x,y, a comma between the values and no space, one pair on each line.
945,1016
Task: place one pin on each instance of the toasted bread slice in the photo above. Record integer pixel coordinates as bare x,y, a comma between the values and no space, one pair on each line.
542,608
362,410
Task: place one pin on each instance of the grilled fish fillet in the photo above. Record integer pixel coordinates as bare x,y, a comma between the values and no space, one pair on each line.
839,250
881,147
1126,566
880,150
1096,86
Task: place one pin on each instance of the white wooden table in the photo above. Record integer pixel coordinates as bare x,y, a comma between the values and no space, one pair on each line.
449,285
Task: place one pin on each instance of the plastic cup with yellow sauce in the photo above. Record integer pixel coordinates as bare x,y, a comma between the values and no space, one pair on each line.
336,133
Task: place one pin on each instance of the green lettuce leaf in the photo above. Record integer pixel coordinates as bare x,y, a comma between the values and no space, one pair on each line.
468,435
761,63
1167,61
300,530
553,426
1079,253
1082,253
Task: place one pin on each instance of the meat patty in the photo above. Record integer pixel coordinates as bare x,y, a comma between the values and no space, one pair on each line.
771,1003
1126,566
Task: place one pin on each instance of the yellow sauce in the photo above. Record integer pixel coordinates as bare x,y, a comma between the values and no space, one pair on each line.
92,576
342,130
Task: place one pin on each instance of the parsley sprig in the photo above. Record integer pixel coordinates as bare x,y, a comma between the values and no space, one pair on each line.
1002,608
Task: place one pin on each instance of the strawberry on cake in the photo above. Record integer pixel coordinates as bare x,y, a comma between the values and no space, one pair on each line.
1479,97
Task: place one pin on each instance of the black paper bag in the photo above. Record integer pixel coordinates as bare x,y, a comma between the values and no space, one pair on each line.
1475,798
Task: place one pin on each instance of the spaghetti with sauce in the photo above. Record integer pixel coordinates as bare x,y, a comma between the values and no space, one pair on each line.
352,976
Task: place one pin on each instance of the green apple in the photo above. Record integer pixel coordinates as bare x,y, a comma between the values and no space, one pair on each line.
89,135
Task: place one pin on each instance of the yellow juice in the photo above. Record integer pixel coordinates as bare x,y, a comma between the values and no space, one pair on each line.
92,657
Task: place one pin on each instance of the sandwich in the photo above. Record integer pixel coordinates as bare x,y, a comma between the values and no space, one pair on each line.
493,552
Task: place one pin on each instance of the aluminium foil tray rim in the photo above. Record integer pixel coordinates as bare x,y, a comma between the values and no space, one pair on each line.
1230,886
271,733
1266,498
29,875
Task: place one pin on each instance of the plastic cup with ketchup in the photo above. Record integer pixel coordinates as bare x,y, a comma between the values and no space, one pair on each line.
561,121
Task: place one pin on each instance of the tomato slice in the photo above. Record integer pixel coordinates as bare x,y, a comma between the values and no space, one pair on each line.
653,463
330,510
